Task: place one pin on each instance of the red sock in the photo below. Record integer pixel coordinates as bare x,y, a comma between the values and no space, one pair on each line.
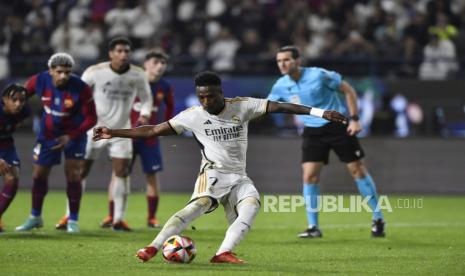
152,203
74,193
7,195
39,191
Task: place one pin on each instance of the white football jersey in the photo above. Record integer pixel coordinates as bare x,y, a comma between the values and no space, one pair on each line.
222,138
114,93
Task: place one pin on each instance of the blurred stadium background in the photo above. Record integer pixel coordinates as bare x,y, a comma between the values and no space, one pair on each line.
406,59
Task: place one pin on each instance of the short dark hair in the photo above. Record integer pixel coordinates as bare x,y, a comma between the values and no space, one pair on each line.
207,78
290,48
120,40
156,54
11,89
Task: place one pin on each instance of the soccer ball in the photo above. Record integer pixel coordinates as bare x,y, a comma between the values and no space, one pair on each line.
179,249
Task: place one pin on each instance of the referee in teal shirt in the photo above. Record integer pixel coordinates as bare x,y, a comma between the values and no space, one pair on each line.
318,87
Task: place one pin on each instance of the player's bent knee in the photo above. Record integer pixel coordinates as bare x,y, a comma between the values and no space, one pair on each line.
197,204
122,173
357,170
73,175
11,179
247,210
311,178
250,204
203,202
193,209
250,201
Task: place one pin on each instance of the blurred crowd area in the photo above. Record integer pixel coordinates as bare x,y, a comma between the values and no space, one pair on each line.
402,38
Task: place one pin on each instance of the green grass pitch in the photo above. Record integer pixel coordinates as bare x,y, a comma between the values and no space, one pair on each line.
428,240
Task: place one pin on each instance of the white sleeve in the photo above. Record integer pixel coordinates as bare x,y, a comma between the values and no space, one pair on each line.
254,108
145,97
87,76
182,122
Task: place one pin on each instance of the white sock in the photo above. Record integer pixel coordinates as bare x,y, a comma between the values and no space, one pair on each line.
83,185
67,207
179,221
120,194
247,210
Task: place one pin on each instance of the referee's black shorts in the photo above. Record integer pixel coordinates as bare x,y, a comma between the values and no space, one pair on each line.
318,141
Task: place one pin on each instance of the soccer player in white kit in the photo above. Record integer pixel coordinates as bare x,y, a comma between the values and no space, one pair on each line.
220,127
116,84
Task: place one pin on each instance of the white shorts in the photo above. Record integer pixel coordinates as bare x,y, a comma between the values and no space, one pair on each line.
229,189
117,147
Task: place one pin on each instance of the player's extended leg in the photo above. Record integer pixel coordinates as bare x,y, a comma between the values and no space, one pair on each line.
311,193
39,191
247,210
367,188
119,193
8,193
175,225
153,195
74,192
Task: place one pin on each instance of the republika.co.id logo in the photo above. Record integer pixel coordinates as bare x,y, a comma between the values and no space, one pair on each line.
336,203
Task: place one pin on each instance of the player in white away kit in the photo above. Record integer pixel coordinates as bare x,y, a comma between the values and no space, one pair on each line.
220,127
115,85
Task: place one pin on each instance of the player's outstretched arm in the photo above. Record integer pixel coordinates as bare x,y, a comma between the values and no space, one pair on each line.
163,129
330,115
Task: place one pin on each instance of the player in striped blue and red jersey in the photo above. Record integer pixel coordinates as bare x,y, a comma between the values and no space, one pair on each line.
155,63
13,110
69,111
